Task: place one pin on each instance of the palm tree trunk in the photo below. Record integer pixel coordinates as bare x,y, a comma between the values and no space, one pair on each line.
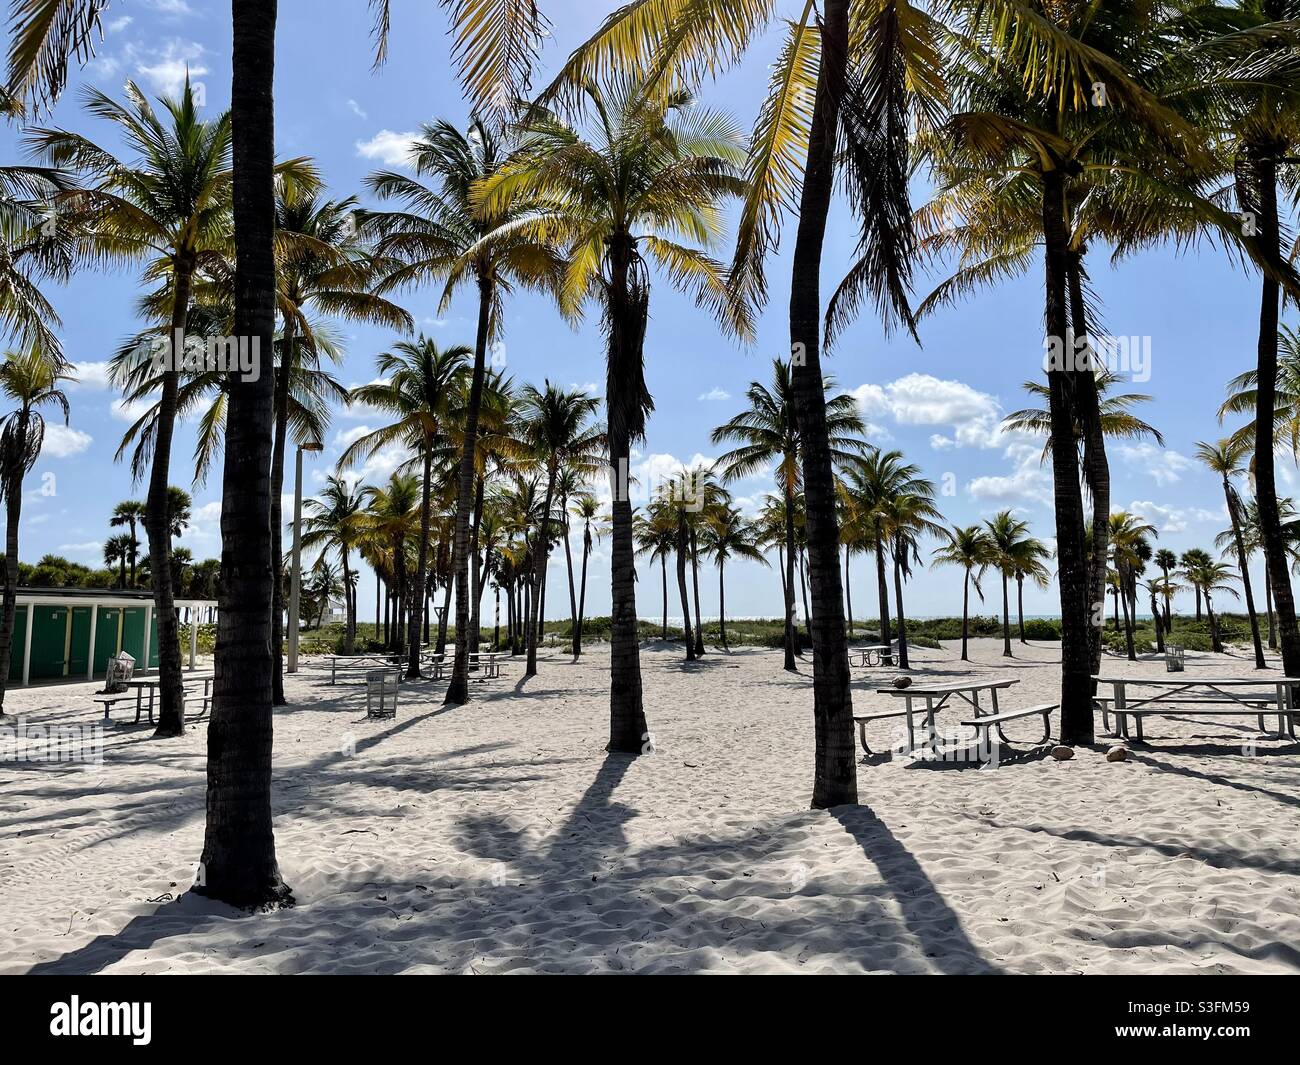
835,767
277,511
1216,644
965,615
681,591
882,590
573,593
902,622
171,718
540,552
803,583
1160,629
695,584
238,864
848,593
1234,515
458,686
1072,578
1268,603
722,608
1020,606
1128,619
441,647
791,638
496,618
510,616
582,592
13,485
1006,620
421,589
477,570
349,605
663,569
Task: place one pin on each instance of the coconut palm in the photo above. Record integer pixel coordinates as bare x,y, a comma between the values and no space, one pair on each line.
1195,558
117,549
1228,459
29,379
332,521
394,517
556,427
1027,562
968,547
1118,422
129,512
1006,534
444,235
1128,546
1207,577
1167,561
641,171
586,509
656,536
417,386
726,535
767,434
908,517
168,206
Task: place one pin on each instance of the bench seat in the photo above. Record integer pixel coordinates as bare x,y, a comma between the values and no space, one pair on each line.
880,715
982,724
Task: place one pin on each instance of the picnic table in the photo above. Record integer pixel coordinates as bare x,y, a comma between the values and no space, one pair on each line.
350,663
878,654
152,685
488,661
1195,696
935,696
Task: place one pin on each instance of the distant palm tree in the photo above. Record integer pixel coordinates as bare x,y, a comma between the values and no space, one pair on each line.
1207,577
1227,458
1006,535
909,516
333,520
116,551
1167,561
1128,548
1191,559
416,391
30,380
130,512
393,518
1027,562
767,435
727,535
971,549
656,536
586,508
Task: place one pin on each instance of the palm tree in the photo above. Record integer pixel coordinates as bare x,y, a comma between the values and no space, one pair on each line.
555,425
656,536
416,389
169,206
129,512
1166,560
767,434
446,235
586,508
727,535
648,168
1006,535
1027,561
1195,558
1208,576
30,380
1128,546
969,548
117,549
908,517
333,520
1118,422
1227,459
394,517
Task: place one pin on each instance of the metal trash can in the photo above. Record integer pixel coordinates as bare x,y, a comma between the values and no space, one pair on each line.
1174,660
381,692
121,668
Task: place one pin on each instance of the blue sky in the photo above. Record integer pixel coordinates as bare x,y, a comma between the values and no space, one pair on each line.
940,403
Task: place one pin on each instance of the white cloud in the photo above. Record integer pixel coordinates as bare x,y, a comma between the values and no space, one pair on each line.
1166,519
1165,466
90,375
714,394
167,74
1027,485
61,441
356,109
127,411
171,7
346,437
942,443
119,24
90,547
922,399
392,149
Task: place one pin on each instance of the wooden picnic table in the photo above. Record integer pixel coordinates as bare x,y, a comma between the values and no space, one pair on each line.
935,695
882,653
152,686
1171,697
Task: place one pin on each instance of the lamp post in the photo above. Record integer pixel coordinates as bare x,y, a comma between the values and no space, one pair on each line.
295,571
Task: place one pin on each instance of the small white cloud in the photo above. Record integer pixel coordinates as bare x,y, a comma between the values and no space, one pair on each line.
178,59
119,24
1166,519
1026,485
171,7
62,441
714,394
344,438
357,109
391,149
126,411
1165,466
942,443
90,376
90,547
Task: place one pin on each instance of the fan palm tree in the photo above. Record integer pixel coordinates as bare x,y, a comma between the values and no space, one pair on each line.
968,547
445,235
29,379
643,170
169,207
129,512
117,549
418,381
727,535
767,434
1167,561
333,522
555,425
1228,459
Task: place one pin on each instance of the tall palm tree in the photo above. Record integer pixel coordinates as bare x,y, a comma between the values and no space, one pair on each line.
445,235
333,521
1195,558
909,516
968,547
1228,459
727,535
30,380
117,549
586,508
416,390
642,171
1167,561
656,536
1027,562
766,434
1207,577
1128,546
556,426
131,513
1005,535
394,516
169,207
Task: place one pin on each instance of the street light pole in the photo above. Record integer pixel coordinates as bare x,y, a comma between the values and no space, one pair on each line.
295,571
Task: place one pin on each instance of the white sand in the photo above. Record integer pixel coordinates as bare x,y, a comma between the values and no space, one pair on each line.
496,837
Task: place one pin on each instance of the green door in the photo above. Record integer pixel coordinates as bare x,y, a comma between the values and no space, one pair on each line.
107,632
133,634
50,629
19,642
79,649
153,642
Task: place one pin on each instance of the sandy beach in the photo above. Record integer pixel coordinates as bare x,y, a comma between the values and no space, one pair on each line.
497,837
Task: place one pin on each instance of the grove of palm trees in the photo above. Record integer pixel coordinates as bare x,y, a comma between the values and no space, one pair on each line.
512,486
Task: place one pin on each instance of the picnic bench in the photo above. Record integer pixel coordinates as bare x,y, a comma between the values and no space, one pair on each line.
880,654
363,663
981,723
152,685
1210,696
935,697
